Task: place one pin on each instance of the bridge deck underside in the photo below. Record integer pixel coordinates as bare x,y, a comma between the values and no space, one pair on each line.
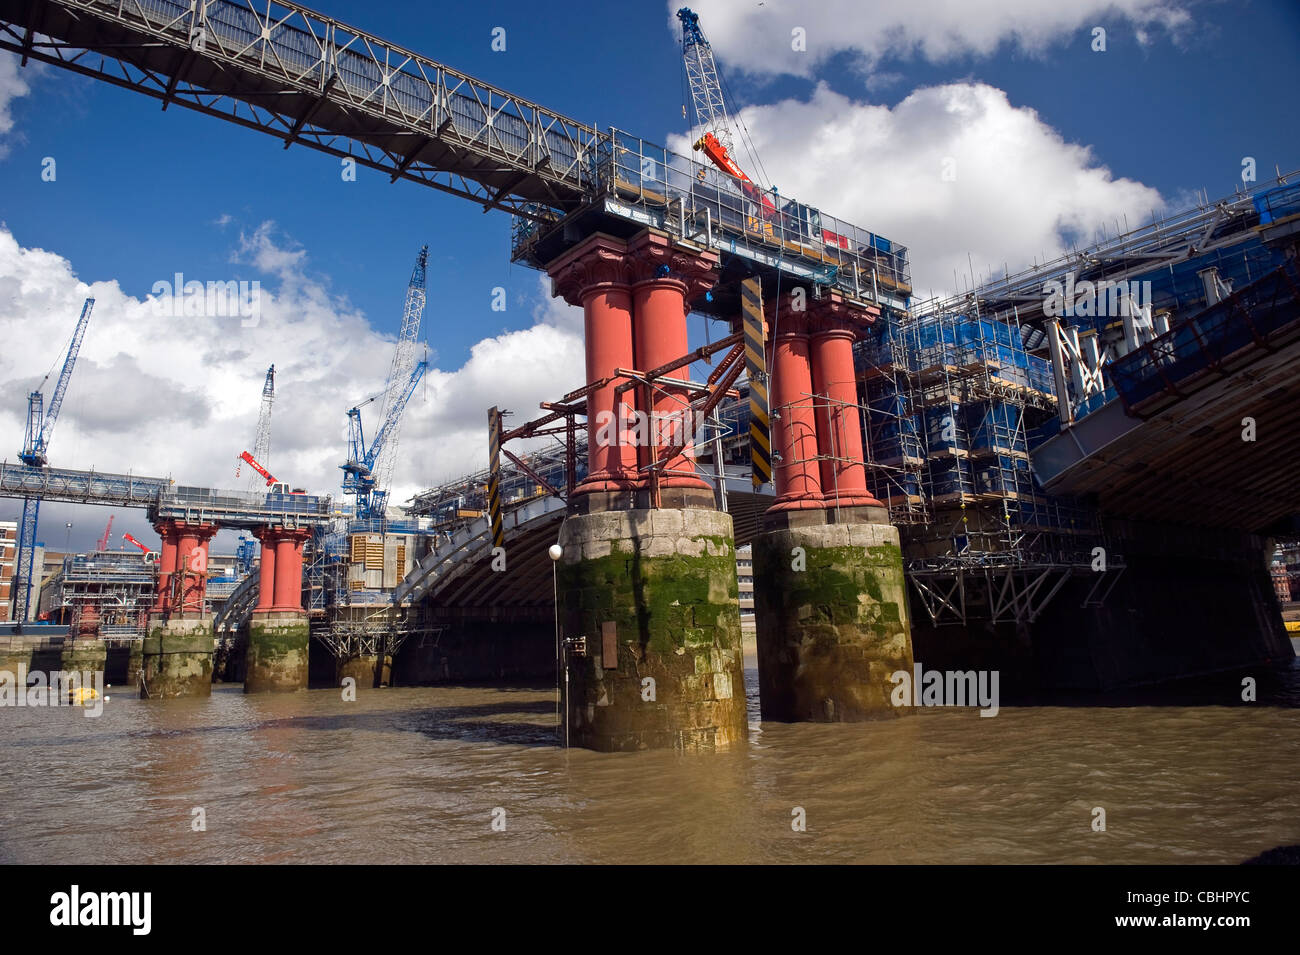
525,583
1189,463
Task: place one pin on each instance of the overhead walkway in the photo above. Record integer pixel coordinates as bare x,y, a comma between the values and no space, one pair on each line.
164,499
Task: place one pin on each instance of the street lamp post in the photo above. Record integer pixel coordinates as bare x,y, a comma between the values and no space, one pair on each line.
561,696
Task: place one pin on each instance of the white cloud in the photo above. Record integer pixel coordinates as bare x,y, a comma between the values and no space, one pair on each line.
161,395
261,250
13,86
1020,190
757,39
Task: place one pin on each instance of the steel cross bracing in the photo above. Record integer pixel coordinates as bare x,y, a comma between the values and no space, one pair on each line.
306,78
1004,593
375,633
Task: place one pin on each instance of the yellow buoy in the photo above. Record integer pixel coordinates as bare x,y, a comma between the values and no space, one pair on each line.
83,695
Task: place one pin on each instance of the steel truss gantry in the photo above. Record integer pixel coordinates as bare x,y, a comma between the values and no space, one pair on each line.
305,78
956,592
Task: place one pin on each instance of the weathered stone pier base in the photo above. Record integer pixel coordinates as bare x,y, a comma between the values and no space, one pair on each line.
134,663
84,654
277,651
367,670
176,658
654,593
831,618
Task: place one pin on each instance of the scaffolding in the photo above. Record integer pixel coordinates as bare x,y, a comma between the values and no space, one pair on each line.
948,399
119,586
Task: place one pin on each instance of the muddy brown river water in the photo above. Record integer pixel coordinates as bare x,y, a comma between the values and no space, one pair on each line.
473,774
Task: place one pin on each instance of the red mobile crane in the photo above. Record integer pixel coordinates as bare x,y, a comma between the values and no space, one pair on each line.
709,103
274,484
147,552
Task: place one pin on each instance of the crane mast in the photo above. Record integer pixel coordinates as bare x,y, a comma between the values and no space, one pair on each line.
262,440
404,362
368,471
707,101
103,541
709,106
36,442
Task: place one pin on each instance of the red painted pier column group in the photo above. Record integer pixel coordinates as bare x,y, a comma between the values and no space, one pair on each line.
816,422
278,635
176,655
279,582
835,664
184,552
643,521
635,297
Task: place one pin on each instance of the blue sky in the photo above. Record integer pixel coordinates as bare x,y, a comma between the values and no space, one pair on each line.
140,191
1184,90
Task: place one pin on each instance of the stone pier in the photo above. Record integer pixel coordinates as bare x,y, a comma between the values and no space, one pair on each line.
830,606
830,601
647,576
278,634
654,594
176,658
134,663
83,654
176,655
367,670
277,651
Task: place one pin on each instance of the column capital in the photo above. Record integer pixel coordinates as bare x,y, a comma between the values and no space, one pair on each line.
202,530
272,535
597,263
786,315
602,261
655,259
832,313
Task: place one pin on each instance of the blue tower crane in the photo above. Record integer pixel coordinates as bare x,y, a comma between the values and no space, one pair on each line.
36,442
359,473
367,471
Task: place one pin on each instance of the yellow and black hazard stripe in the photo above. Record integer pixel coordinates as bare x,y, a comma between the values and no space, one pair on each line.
494,477
760,432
